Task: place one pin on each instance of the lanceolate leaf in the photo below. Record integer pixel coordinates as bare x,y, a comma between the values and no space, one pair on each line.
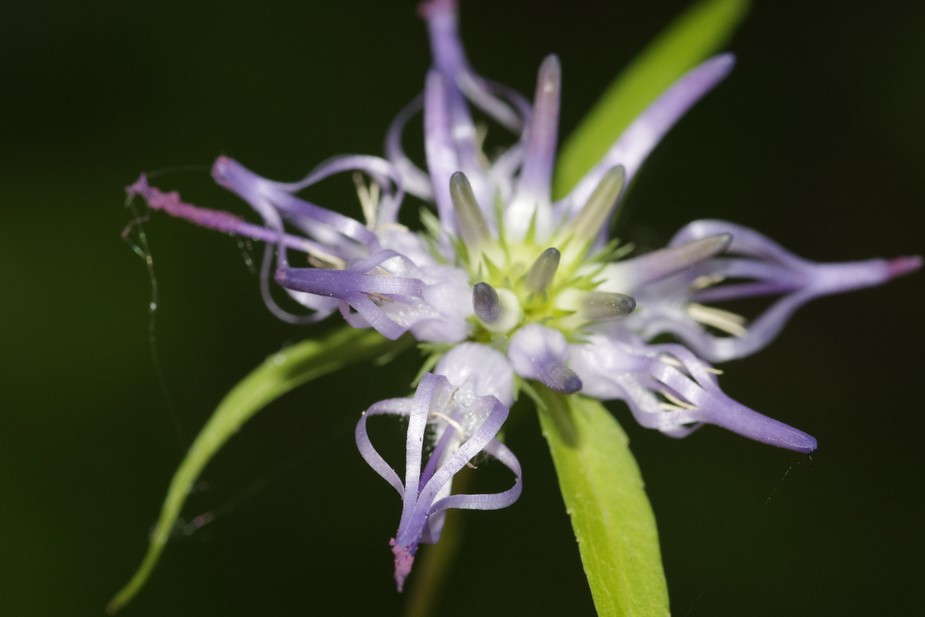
695,35
278,374
607,503
600,481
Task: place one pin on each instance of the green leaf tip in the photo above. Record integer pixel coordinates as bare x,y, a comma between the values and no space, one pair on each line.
605,498
277,375
692,37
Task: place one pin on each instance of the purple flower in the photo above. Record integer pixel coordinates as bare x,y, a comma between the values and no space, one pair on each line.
508,285
464,404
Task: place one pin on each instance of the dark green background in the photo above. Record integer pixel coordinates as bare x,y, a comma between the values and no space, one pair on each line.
816,139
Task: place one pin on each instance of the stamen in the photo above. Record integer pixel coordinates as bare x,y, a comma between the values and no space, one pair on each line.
481,134
543,270
586,225
486,303
601,305
672,361
721,320
326,260
707,280
456,426
676,401
369,199
472,226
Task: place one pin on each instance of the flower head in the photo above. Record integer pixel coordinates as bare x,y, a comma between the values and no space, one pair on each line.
513,286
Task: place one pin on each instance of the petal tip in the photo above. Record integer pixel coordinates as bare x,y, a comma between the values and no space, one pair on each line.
429,9
795,440
806,445
224,170
902,266
572,384
723,63
550,73
139,187
560,378
220,166
404,559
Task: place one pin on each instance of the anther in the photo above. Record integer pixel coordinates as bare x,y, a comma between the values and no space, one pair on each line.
472,226
486,303
543,270
601,305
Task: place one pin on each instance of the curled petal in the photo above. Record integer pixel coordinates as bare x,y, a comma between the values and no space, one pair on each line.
218,220
450,65
752,266
354,287
382,172
505,106
464,425
641,137
537,352
273,202
670,389
765,260
333,239
272,234
447,120
689,379
413,178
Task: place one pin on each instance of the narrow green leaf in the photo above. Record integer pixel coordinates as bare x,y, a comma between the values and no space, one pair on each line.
607,503
693,36
278,374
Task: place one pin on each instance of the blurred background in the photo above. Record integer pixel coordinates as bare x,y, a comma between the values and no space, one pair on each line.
816,139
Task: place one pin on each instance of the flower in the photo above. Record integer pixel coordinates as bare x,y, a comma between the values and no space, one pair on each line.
507,286
467,418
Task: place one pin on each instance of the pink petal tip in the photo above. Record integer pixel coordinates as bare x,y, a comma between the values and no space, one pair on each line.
404,559
902,266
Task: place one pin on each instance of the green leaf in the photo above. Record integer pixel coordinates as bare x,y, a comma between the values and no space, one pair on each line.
600,481
607,503
693,36
278,374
